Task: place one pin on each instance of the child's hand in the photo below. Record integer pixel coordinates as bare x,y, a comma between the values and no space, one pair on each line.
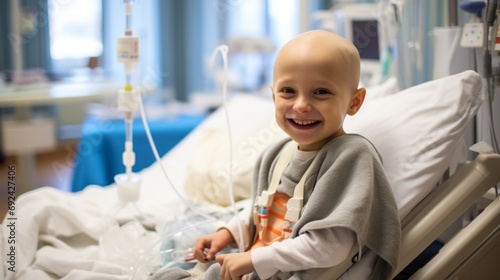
234,266
207,246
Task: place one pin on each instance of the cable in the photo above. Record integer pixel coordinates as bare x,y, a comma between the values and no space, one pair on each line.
491,13
489,22
492,126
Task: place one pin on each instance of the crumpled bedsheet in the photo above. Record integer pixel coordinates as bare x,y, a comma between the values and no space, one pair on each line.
59,235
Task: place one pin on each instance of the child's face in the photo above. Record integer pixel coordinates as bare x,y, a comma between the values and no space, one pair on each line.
312,97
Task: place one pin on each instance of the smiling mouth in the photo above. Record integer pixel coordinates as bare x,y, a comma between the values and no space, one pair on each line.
303,124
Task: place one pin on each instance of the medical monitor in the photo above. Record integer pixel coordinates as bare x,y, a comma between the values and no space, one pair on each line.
365,37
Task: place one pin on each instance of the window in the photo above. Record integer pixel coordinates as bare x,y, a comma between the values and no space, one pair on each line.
75,34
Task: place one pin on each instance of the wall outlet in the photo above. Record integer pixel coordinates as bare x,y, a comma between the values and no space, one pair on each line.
472,35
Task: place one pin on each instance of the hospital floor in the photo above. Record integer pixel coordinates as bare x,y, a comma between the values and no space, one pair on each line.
53,169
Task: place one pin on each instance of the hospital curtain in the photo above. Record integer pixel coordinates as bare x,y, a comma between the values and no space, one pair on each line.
416,54
175,30
188,30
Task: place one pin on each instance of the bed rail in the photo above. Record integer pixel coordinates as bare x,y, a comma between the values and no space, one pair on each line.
473,253
429,219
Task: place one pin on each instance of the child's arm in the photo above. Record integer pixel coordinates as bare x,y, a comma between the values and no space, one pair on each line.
318,248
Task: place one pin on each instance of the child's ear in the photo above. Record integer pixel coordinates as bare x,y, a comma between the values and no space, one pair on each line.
356,101
272,91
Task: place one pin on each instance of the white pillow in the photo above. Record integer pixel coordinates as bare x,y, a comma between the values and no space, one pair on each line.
388,87
416,131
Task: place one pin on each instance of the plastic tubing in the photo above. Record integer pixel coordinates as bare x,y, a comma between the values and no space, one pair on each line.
128,82
128,32
128,13
223,49
128,141
157,157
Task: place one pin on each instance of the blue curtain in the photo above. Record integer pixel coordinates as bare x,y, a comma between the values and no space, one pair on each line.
189,31
174,34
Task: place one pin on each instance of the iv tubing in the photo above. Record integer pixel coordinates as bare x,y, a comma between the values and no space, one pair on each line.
128,114
223,49
128,141
157,157
128,12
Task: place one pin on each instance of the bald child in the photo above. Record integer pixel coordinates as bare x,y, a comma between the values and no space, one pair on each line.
331,212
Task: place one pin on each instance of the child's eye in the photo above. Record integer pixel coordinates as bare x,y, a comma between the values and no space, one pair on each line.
322,91
287,90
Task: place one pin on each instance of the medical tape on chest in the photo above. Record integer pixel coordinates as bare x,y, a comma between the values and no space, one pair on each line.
294,204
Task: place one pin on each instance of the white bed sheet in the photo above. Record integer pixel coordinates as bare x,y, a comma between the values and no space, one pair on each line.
70,226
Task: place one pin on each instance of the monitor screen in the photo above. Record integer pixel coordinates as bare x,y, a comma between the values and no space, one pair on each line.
365,37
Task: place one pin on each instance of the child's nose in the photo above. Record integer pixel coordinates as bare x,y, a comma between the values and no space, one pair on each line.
302,105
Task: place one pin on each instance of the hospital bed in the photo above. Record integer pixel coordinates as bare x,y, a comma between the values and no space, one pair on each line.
418,131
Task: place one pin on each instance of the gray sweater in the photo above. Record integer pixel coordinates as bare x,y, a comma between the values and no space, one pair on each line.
347,188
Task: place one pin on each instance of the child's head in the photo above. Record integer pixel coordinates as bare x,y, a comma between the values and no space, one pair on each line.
315,84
